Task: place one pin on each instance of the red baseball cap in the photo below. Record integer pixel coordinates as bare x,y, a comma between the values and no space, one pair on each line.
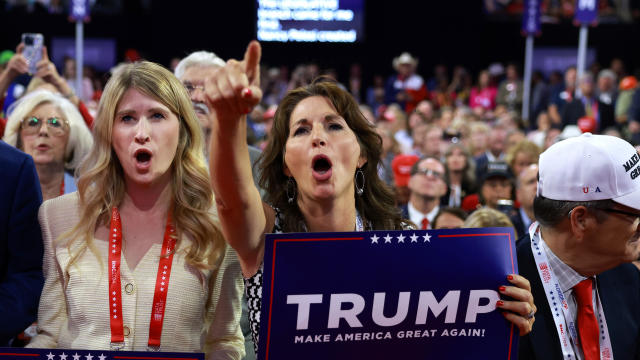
401,165
587,124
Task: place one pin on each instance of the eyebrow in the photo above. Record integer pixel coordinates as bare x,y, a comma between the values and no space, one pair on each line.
152,110
325,118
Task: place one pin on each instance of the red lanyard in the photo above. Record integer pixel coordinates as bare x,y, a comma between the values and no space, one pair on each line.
62,187
162,282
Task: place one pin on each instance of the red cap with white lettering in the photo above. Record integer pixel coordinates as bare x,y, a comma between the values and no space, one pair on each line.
591,167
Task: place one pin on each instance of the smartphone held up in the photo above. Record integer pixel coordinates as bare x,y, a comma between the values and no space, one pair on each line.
32,49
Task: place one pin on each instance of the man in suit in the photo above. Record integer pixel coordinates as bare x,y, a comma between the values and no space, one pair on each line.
526,186
426,186
578,253
589,105
21,248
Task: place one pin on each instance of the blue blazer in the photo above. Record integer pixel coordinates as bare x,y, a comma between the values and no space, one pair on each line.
21,248
619,290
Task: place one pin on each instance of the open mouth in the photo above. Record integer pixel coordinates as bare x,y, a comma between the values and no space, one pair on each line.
143,156
321,164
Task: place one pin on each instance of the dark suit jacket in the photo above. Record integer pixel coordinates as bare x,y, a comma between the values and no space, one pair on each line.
21,248
619,290
575,110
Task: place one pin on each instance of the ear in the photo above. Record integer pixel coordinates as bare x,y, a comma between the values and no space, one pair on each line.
361,161
580,221
286,170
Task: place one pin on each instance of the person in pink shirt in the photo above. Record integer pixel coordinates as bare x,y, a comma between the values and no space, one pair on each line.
483,95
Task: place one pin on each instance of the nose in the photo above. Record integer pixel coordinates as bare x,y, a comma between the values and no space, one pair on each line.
143,131
318,136
44,129
197,94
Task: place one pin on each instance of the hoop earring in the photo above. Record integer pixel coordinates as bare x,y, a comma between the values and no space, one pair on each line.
291,190
359,189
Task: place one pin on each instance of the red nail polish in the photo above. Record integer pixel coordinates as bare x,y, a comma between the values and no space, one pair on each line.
509,277
502,288
246,93
500,303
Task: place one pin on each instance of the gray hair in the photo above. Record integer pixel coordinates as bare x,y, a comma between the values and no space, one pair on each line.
80,138
607,73
198,58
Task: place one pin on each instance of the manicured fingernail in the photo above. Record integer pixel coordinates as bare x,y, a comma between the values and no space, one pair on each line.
502,288
246,93
509,277
499,303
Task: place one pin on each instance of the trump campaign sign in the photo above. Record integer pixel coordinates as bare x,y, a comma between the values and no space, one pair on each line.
417,294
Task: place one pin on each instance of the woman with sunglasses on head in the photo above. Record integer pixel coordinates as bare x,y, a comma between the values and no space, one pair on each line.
319,171
50,129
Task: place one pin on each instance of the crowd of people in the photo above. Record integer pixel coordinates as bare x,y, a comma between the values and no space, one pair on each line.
189,170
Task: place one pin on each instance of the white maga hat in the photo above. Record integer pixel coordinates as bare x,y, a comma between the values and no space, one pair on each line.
591,167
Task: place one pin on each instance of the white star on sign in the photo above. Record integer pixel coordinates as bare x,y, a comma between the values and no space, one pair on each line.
164,273
76,357
414,238
162,283
401,238
114,293
89,357
63,356
387,239
102,357
163,278
161,289
374,239
50,356
427,237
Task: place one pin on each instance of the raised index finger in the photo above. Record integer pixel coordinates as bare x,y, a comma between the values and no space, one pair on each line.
45,54
252,62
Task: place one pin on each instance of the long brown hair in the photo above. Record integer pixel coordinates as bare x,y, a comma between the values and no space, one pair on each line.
376,205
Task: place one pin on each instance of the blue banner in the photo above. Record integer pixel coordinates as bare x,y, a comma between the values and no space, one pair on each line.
531,17
586,11
73,354
423,294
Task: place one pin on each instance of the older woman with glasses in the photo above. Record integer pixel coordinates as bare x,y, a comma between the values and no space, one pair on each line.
50,129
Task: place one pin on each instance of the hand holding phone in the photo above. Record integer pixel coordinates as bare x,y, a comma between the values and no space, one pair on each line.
32,49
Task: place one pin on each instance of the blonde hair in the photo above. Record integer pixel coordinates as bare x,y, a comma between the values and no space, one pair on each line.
523,146
80,139
101,185
488,217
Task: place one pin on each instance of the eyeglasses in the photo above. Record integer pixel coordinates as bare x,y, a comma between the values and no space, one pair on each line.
427,172
635,216
191,87
56,126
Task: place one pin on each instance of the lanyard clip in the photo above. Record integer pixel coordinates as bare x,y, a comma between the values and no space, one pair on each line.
117,346
153,348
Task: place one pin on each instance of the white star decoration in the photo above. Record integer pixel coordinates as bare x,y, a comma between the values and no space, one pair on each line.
50,356
88,356
63,356
76,356
102,357
388,239
374,239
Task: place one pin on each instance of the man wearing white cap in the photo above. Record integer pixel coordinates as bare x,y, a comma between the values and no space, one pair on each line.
578,252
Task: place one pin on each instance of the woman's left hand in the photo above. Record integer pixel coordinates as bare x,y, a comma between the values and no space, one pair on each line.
520,311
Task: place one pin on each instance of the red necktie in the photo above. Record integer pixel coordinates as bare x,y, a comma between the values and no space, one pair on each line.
425,223
587,323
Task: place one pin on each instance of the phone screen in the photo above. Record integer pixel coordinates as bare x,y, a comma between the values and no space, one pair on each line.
32,49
